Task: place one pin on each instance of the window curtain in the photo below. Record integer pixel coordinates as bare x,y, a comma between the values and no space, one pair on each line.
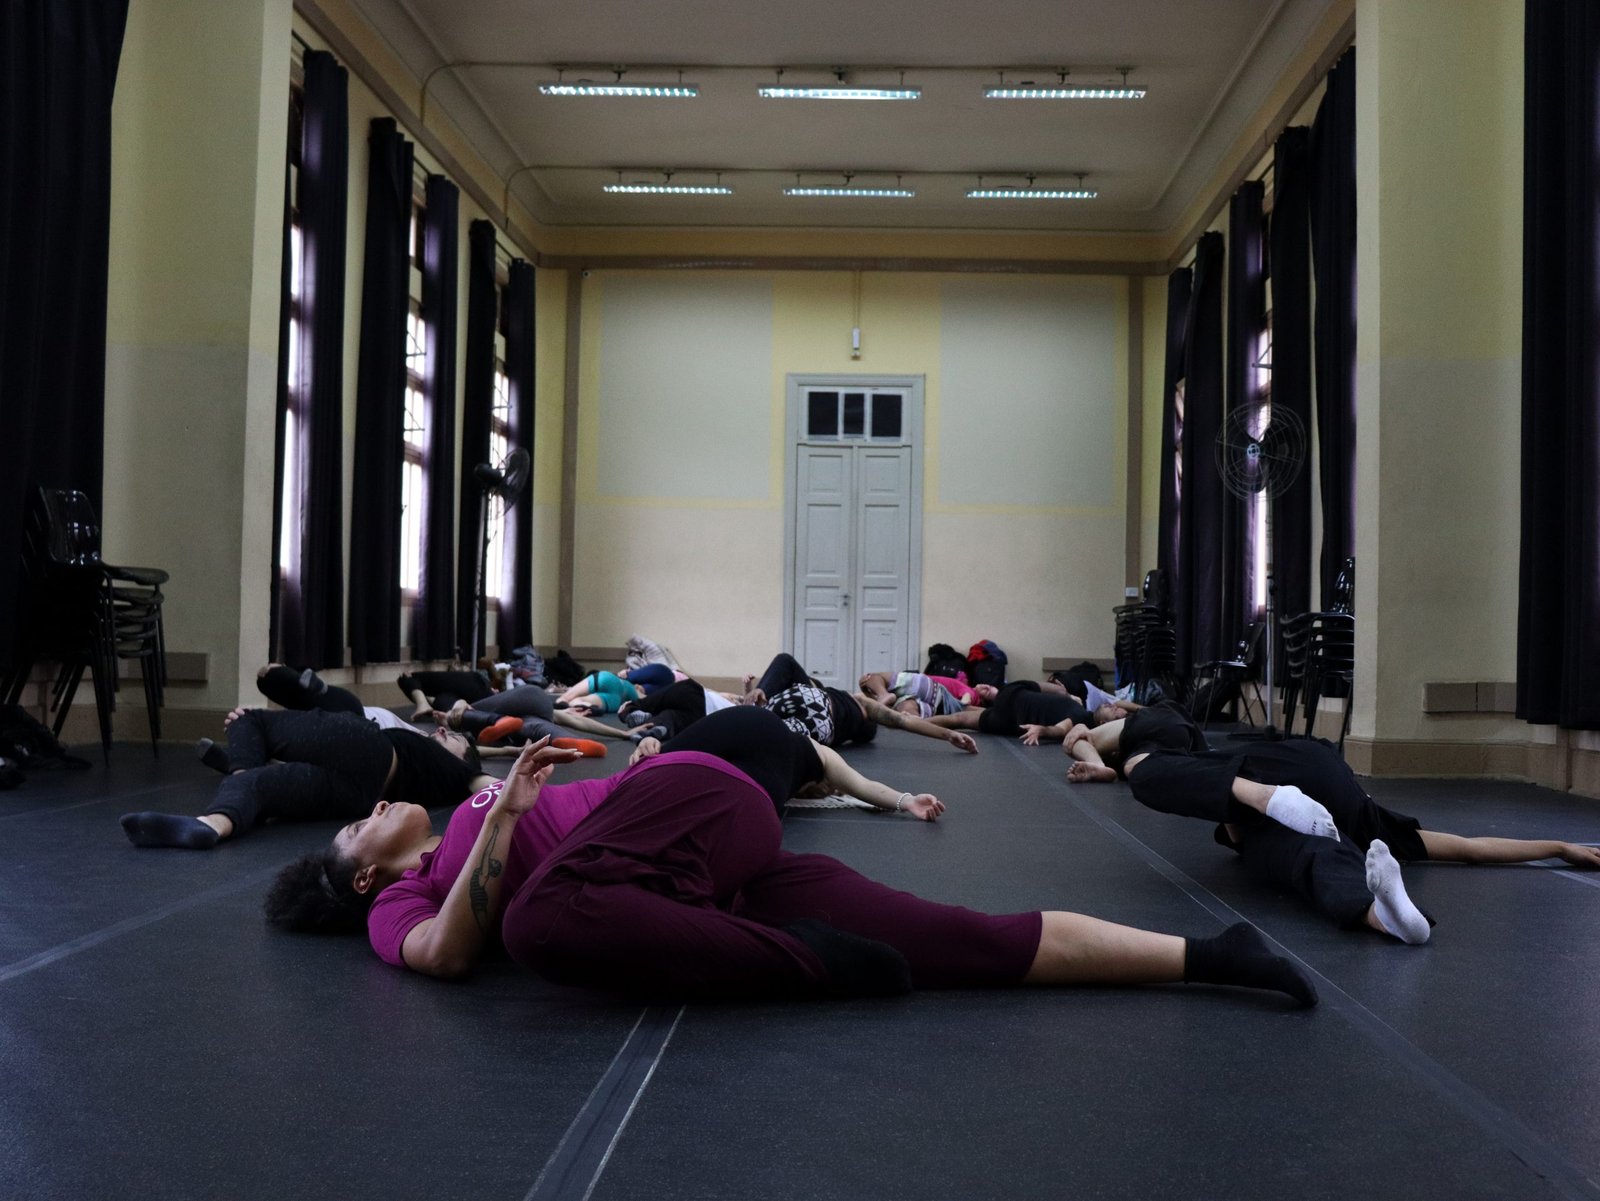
433,629
1558,615
58,68
477,402
516,605
311,604
380,398
1290,257
1333,256
1197,607
1247,314
1179,284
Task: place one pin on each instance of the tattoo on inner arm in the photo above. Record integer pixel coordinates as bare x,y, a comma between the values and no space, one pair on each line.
478,886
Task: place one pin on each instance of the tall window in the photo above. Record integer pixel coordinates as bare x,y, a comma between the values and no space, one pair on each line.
499,449
1259,506
291,497
414,479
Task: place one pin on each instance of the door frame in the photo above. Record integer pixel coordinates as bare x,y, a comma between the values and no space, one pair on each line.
911,432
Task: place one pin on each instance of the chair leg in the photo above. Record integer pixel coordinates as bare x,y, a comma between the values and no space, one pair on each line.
152,699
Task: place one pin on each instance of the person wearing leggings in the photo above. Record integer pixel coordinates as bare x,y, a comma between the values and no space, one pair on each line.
314,766
463,700
833,716
670,711
1295,814
667,881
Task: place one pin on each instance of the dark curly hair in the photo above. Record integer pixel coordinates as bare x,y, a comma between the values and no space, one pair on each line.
316,895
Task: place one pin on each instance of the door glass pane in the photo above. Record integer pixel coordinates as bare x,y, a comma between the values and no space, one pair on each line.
886,415
822,415
855,414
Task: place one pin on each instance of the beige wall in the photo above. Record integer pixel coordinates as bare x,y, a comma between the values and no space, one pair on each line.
679,528
1439,162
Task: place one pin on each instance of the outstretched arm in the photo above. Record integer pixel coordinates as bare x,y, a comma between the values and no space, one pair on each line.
1453,848
896,720
574,720
967,719
840,777
1033,735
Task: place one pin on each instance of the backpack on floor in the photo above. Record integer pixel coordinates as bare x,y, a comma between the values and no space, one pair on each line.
945,660
986,664
562,668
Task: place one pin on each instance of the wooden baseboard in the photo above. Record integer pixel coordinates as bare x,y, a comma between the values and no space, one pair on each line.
1558,765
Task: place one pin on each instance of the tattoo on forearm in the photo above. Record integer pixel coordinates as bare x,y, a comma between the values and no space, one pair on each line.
478,886
892,718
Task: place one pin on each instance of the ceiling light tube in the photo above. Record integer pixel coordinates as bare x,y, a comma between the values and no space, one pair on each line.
1032,194
657,91
668,189
837,92
1075,92
891,193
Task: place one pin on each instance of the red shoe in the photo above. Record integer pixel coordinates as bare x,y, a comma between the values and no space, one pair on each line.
590,748
503,728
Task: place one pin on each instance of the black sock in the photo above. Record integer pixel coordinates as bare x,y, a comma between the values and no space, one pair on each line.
1240,956
856,966
213,756
168,830
314,684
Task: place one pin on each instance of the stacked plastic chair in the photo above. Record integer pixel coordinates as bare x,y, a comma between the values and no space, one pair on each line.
1146,644
1320,655
86,614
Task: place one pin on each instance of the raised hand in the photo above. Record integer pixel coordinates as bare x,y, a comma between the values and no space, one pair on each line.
528,774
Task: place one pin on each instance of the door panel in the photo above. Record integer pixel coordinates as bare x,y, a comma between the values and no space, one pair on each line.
883,558
823,641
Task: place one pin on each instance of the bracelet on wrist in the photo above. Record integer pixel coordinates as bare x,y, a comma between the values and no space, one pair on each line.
900,802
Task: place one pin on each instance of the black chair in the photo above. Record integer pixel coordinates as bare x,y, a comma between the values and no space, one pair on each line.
1211,682
1344,588
86,614
1145,647
1330,665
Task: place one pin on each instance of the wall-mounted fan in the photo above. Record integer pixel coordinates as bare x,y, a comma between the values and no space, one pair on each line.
496,485
1260,452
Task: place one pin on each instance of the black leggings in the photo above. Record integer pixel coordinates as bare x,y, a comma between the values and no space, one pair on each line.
444,688
783,672
1331,875
758,743
676,707
281,685
330,766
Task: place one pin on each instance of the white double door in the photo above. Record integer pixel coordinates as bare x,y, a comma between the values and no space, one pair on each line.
854,552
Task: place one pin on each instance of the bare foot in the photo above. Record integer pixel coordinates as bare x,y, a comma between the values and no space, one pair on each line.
1091,773
749,683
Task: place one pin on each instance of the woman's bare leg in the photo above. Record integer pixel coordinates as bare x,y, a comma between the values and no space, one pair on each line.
1076,949
1091,765
574,720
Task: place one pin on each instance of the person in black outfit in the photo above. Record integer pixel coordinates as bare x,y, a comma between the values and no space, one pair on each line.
832,716
1295,814
316,766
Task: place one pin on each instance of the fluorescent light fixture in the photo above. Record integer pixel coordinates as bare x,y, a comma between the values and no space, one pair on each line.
837,92
668,189
585,87
1030,92
892,193
1032,194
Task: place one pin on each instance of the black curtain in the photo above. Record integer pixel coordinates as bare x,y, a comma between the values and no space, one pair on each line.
1198,595
279,421
477,402
433,628
1291,362
1178,285
375,507
58,69
311,606
1333,254
1247,310
1558,615
516,605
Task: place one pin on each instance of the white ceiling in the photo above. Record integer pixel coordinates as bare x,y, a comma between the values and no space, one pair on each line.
1209,65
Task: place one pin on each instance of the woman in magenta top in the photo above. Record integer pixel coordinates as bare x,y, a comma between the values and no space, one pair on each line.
668,881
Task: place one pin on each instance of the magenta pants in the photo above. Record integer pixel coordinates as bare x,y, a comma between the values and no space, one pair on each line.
676,887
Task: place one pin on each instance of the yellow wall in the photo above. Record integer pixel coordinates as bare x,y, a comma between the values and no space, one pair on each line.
1439,146
689,550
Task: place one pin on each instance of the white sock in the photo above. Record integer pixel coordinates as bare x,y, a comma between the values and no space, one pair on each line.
1290,807
1396,913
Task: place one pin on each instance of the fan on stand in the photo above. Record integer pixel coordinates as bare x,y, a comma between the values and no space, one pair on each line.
1260,451
501,484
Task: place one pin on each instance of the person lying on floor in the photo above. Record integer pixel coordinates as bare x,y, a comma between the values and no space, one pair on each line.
463,701
725,738
923,695
668,881
1295,814
284,765
670,711
607,692
833,716
1027,710
305,691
